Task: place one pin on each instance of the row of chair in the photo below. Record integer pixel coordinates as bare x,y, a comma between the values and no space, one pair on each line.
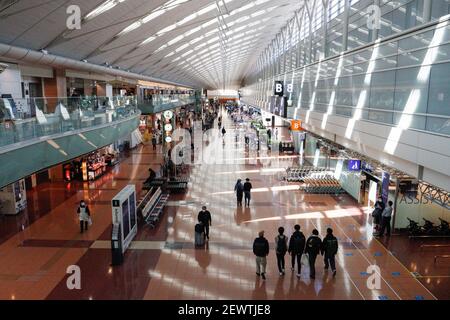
155,207
179,184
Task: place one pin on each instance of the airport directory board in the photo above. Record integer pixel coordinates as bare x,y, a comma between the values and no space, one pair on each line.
124,214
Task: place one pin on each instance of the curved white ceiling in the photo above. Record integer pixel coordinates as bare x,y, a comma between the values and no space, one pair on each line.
201,43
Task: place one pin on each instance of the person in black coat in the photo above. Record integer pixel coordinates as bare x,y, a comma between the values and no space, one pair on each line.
205,217
313,247
248,191
261,251
329,249
377,212
239,189
296,248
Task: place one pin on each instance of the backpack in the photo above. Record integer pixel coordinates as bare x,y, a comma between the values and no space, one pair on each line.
332,245
281,245
298,242
259,248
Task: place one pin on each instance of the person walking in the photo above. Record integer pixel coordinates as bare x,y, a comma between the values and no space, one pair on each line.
261,251
269,135
239,189
281,249
248,192
154,141
223,132
296,248
276,134
313,246
84,215
205,217
386,219
329,249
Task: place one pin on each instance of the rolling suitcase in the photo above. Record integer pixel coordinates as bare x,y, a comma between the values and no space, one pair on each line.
199,235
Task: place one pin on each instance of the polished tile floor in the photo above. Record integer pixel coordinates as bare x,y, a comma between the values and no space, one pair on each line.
163,263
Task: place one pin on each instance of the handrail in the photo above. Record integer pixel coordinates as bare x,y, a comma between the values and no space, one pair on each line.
440,257
434,246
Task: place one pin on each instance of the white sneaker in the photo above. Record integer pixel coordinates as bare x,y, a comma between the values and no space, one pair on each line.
298,275
281,273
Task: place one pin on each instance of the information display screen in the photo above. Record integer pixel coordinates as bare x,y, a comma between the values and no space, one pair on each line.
132,211
126,219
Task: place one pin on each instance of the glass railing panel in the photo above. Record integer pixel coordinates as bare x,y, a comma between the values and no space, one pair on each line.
50,116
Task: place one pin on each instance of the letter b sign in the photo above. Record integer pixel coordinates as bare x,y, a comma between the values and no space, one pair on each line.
279,88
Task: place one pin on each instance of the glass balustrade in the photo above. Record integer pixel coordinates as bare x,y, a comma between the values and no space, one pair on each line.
22,120
160,103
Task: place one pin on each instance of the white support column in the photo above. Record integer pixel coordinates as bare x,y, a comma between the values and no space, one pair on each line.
325,26
427,7
345,25
375,31
298,21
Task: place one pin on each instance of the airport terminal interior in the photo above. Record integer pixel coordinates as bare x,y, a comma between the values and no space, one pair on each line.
158,150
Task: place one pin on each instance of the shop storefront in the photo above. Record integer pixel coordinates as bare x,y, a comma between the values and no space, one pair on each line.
92,166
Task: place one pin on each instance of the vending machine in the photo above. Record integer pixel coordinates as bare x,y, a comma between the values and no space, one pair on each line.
13,198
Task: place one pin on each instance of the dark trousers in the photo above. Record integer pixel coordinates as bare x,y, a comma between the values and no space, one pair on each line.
297,256
154,147
248,197
239,197
280,262
83,226
385,225
330,261
207,231
312,264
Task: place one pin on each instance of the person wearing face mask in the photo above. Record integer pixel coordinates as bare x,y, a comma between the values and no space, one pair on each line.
204,216
84,215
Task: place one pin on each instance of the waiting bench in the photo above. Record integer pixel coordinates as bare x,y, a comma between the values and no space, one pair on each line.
178,185
154,208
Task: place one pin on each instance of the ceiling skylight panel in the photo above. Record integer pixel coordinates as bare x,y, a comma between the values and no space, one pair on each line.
175,40
192,31
105,6
187,53
206,9
184,46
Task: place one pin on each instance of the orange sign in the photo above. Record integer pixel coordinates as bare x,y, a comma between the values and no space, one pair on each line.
296,125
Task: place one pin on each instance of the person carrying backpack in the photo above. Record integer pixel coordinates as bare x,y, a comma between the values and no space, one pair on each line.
281,249
296,248
330,249
224,131
261,251
313,247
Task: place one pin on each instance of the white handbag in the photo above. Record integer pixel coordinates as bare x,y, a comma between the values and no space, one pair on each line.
305,260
